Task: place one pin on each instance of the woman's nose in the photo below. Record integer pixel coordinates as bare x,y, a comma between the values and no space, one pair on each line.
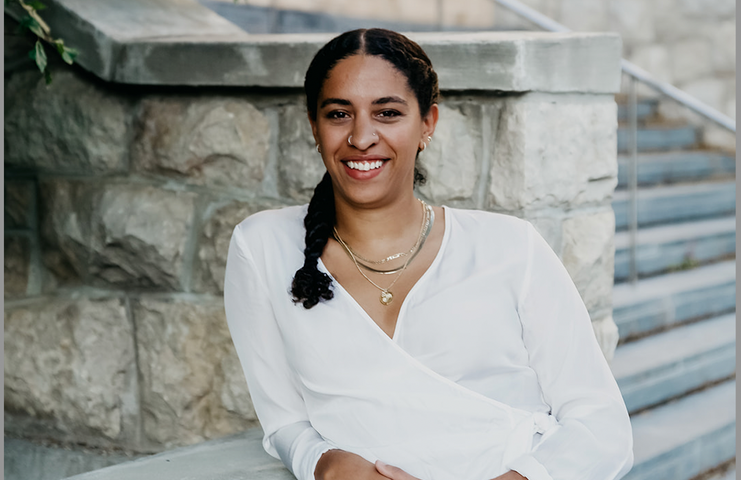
362,137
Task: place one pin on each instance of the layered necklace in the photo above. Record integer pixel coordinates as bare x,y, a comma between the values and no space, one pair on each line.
361,263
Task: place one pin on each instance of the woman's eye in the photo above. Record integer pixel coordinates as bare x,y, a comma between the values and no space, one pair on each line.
390,113
335,114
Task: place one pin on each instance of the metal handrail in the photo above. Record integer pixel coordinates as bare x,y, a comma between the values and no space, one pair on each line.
636,74
629,68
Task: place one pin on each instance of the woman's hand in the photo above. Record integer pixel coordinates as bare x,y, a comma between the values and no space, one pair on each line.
394,473
342,465
511,475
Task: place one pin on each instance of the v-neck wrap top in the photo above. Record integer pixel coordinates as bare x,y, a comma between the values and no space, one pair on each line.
493,365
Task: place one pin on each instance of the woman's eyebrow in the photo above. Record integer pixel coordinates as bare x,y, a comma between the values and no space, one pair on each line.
338,101
393,99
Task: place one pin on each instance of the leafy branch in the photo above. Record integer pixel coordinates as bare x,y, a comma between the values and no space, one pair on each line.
33,22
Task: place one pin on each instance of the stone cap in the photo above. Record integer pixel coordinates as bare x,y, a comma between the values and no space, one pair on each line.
180,42
239,457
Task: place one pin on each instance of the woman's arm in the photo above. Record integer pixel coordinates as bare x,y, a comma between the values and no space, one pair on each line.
257,340
593,440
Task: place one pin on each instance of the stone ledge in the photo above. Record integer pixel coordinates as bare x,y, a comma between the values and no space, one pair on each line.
180,42
239,457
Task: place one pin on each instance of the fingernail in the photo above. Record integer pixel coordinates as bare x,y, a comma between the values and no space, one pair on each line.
383,464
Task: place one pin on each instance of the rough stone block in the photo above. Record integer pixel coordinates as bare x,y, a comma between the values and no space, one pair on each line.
607,335
72,363
691,59
66,211
140,237
73,125
192,385
589,256
124,235
300,166
18,203
634,20
16,266
709,90
554,150
653,58
203,140
453,158
213,244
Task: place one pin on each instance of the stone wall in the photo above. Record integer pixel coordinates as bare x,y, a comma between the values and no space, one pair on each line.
120,202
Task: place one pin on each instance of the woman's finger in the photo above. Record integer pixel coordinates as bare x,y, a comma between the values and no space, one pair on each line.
394,473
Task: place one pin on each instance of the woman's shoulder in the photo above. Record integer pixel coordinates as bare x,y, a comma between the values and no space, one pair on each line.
489,223
272,227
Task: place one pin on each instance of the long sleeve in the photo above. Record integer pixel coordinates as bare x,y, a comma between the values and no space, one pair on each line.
594,439
257,339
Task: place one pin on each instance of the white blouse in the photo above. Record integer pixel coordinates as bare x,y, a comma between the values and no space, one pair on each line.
493,366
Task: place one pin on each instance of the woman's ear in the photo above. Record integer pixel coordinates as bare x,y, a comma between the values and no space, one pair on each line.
313,129
429,122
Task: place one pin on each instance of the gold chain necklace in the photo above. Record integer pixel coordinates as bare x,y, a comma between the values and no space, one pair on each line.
426,229
394,256
386,296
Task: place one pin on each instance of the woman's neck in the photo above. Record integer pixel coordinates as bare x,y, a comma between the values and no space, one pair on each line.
383,230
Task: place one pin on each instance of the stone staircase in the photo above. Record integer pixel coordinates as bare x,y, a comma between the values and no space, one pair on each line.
675,363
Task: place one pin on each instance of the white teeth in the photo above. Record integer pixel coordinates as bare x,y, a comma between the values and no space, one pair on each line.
365,166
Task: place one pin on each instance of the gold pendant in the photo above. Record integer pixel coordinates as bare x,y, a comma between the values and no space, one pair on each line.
386,297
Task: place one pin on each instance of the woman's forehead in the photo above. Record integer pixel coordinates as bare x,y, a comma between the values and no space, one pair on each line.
365,78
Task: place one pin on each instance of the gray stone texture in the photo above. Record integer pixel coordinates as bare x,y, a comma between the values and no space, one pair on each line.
71,362
124,235
452,160
239,457
300,166
213,244
554,150
589,256
18,206
192,386
73,125
16,265
214,141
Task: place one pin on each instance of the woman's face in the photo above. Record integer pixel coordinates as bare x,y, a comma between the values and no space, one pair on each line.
367,100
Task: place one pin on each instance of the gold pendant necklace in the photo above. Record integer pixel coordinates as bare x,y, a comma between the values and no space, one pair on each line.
387,296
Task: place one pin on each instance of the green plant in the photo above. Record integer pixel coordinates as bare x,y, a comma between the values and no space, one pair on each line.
33,22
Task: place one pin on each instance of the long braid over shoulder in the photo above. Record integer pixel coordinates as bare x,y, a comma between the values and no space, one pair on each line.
309,284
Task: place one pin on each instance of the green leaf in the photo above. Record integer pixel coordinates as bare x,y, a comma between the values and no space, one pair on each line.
39,56
31,24
69,55
36,5
47,76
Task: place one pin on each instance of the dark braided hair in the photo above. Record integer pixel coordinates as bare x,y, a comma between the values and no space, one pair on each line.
309,284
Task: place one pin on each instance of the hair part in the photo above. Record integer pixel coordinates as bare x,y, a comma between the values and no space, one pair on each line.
309,284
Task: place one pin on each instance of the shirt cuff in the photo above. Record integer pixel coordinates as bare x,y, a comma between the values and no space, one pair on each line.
529,467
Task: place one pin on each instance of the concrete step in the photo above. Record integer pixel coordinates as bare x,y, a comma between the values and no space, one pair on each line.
238,457
660,138
677,166
677,246
671,299
676,203
646,108
681,439
669,364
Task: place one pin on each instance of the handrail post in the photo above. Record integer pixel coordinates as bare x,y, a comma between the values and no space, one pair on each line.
633,176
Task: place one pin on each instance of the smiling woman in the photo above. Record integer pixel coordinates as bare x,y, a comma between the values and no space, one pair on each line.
451,344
